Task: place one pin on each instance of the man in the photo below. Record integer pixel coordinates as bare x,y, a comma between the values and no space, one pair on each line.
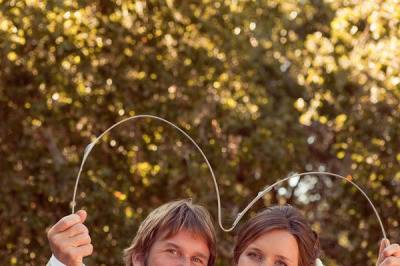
176,233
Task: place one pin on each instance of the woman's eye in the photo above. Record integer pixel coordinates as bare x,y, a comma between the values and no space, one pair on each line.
280,263
255,256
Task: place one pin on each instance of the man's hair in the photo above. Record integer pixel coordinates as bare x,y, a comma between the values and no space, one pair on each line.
166,221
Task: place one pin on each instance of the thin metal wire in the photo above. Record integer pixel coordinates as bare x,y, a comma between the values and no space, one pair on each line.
240,215
89,148
319,174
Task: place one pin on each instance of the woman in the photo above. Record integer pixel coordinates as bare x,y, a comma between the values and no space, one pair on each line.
280,236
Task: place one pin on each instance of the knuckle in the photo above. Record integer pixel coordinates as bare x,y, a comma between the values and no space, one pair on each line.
389,261
61,245
90,249
49,233
86,239
85,229
68,221
50,236
82,228
64,222
386,253
53,239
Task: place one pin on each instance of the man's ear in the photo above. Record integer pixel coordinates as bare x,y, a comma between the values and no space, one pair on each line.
137,260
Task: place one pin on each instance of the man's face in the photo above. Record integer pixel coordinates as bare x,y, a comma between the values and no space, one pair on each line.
182,249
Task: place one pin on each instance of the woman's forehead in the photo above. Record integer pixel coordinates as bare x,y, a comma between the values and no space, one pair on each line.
277,242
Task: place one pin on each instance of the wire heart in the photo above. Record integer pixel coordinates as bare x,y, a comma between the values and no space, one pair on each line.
240,215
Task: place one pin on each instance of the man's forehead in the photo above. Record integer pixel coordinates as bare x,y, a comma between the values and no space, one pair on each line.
184,232
184,238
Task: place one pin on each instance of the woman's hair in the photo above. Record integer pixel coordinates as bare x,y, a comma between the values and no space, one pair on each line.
166,221
280,218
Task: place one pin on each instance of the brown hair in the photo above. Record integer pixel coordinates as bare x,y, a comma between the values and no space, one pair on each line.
283,218
166,221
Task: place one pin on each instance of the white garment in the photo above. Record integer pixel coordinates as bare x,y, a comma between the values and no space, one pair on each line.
318,262
55,262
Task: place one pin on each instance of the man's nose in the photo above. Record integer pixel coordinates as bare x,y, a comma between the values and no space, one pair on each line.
185,261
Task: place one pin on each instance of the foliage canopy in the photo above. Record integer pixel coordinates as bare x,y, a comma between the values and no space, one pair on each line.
265,87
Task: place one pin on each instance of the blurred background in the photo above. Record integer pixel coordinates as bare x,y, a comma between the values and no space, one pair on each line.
266,88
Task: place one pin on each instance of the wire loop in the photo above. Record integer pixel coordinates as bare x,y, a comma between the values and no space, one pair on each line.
241,214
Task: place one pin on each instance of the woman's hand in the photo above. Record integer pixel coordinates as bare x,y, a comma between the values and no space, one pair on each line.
389,254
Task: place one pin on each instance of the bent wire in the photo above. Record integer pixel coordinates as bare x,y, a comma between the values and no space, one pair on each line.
240,215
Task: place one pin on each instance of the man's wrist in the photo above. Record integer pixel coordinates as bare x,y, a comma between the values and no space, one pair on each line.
54,261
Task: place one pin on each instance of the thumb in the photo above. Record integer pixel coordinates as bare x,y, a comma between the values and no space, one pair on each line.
82,214
384,243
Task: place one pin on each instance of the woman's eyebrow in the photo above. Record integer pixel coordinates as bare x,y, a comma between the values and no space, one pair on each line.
283,258
255,249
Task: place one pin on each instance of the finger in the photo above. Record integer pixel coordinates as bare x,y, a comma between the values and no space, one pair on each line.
391,261
384,243
65,223
79,240
82,214
392,250
86,250
83,251
74,230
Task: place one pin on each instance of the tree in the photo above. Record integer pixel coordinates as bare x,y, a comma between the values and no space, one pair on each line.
266,87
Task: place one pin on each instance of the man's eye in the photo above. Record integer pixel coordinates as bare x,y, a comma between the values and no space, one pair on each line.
198,260
172,251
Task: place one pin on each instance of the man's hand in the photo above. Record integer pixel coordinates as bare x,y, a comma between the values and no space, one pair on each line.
69,239
389,254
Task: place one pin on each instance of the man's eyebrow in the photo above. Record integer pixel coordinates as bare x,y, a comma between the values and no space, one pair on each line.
201,255
172,244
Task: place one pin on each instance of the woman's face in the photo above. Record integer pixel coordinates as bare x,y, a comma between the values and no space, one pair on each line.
273,248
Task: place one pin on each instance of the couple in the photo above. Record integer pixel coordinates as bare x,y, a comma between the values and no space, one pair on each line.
181,233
